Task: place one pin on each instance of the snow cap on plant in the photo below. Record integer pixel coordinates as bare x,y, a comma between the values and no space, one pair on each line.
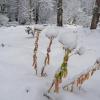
50,31
68,39
40,27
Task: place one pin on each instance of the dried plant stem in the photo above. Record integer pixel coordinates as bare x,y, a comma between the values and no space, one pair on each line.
51,86
81,78
47,58
35,51
60,74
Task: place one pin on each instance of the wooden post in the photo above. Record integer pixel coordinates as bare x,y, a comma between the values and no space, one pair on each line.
59,13
96,15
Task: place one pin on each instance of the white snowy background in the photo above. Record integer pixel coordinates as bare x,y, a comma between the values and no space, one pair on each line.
17,77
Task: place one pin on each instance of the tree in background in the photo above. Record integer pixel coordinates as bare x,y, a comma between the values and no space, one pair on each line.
3,6
36,11
78,12
96,15
59,12
87,6
46,9
30,11
12,10
23,12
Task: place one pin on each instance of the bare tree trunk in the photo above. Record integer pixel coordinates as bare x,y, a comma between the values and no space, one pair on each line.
30,4
98,2
59,13
37,6
37,15
96,15
95,21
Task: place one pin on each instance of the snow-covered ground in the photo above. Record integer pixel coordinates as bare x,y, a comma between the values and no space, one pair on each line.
17,77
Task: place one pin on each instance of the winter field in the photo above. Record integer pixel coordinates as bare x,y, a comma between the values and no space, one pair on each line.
17,77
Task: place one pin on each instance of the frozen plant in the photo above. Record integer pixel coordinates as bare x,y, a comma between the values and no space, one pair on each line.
77,82
51,33
37,32
98,62
69,43
61,73
29,31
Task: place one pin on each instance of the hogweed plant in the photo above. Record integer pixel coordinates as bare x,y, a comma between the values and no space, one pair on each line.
76,83
47,58
68,46
51,34
61,73
37,32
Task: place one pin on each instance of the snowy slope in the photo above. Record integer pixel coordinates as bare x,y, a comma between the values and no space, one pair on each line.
17,77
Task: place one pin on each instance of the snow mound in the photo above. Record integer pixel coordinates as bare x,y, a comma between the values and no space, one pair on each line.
50,31
3,20
68,39
13,23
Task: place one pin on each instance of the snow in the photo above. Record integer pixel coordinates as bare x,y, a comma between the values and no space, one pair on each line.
39,27
3,20
17,77
80,51
68,39
50,31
